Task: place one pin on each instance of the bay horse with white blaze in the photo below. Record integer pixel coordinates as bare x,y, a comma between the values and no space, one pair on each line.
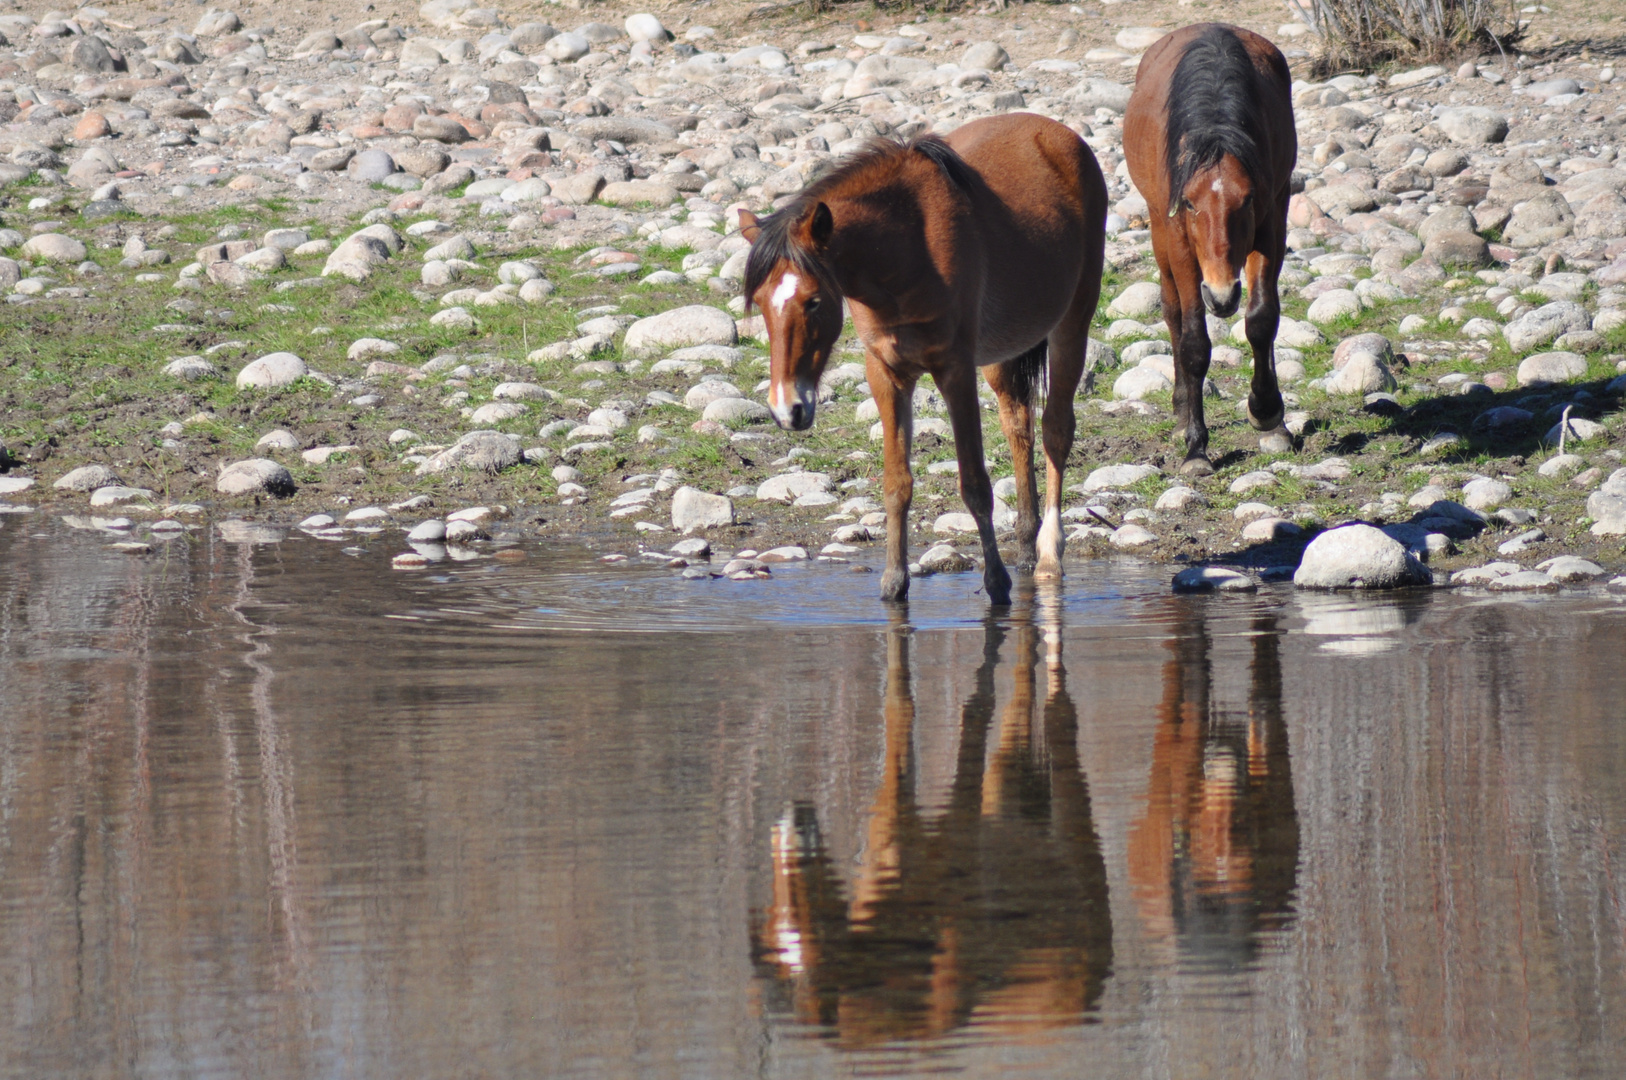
1210,142
981,249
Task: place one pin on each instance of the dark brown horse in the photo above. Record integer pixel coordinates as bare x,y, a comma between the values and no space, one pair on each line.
1210,143
977,250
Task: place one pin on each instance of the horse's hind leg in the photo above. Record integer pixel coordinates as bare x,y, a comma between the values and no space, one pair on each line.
959,387
1263,316
1068,342
894,396
1015,382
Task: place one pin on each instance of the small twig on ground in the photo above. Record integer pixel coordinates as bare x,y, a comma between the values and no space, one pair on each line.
1095,512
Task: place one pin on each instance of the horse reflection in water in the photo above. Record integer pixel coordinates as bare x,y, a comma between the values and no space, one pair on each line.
1214,859
991,912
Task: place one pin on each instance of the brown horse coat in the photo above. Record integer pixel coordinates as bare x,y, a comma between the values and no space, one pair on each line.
1212,113
973,251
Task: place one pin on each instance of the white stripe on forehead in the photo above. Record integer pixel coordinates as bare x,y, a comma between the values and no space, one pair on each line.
787,289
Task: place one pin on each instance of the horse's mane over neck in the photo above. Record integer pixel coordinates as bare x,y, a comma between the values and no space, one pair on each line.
1214,111
877,166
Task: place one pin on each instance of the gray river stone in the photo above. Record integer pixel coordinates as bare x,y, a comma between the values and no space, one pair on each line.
255,476
1358,557
489,451
694,509
87,478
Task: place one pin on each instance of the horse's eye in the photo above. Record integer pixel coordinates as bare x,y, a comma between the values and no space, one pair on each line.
1188,205
812,305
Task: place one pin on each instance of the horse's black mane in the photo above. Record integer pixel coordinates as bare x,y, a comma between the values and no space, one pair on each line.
1214,110
777,239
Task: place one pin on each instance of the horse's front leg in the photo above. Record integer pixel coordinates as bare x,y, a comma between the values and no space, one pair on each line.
1188,333
959,387
895,398
1263,316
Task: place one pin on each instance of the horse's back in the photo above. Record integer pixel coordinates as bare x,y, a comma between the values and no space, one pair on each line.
1034,165
1038,221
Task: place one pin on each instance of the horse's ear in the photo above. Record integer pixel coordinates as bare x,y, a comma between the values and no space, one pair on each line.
821,224
749,228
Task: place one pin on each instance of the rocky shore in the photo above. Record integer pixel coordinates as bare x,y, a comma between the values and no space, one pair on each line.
461,279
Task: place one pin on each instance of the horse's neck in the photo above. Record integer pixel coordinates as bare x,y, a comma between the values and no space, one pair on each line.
869,256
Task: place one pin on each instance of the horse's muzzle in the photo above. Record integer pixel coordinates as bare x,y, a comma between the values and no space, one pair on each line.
1223,305
796,414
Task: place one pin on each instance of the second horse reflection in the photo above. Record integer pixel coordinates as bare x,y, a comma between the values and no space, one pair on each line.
1214,858
992,911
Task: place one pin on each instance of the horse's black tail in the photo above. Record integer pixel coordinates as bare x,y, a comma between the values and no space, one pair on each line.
1025,374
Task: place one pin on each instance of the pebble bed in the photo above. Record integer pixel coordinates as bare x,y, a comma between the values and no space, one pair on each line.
463,280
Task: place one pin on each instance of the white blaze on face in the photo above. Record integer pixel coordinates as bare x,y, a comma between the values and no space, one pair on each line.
786,289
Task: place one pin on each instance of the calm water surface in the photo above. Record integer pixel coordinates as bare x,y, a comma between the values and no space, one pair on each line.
277,811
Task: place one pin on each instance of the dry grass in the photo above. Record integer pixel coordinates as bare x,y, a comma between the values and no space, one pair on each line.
1360,33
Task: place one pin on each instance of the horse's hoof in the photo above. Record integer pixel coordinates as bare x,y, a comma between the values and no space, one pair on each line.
1196,466
1047,570
1275,442
895,585
999,588
1270,421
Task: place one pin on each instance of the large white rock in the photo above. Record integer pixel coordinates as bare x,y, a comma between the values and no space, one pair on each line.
1609,501
1139,301
254,476
1358,557
1580,430
1485,493
788,487
567,46
645,27
1138,383
272,371
54,247
696,324
488,451
215,23
1333,305
1363,373
984,56
362,348
495,412
1551,367
86,478
356,257
1472,125
1540,326
1415,77
1118,476
190,368
701,396
1294,334
736,410
695,509
1139,38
